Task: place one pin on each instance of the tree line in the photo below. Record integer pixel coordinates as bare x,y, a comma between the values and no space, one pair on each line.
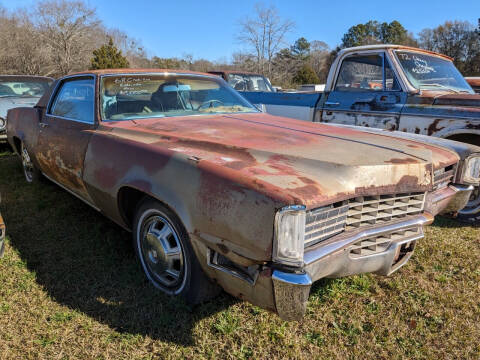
57,37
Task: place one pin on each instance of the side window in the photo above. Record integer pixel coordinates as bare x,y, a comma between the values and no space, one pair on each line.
75,100
365,73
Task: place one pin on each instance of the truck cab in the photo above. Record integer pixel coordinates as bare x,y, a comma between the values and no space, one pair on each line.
400,88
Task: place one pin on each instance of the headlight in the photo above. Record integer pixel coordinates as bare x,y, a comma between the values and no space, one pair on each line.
471,169
289,235
3,123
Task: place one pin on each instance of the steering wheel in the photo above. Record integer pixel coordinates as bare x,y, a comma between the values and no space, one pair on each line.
210,102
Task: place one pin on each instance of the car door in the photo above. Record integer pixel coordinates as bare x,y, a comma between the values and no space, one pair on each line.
366,93
65,131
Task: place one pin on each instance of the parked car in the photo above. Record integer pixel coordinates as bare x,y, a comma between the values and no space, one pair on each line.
390,87
19,90
217,193
245,81
474,82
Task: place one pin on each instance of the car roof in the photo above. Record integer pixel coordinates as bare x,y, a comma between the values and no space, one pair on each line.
24,77
391,46
235,72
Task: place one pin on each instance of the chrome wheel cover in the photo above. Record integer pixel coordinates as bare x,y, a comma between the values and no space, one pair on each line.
161,253
28,167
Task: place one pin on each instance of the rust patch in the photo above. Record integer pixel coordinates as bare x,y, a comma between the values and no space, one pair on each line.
432,129
403,161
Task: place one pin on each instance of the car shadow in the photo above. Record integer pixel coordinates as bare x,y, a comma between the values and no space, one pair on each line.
449,222
86,262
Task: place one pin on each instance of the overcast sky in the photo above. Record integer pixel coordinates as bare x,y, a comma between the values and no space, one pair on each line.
207,29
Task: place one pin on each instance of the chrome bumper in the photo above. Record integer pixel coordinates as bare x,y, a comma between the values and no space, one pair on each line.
450,199
3,137
335,258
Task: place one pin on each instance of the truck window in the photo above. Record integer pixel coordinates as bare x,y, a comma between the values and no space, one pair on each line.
74,100
366,73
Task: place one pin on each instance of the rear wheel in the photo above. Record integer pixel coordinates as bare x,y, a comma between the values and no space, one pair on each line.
166,255
32,174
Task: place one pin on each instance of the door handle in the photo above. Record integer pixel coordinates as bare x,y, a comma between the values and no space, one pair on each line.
43,125
332,104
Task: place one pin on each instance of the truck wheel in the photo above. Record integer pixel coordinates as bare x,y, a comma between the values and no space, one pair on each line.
166,256
471,213
32,174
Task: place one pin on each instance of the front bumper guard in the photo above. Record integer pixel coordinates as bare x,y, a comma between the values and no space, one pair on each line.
334,259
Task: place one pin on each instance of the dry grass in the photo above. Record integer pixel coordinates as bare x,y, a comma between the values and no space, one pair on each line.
70,289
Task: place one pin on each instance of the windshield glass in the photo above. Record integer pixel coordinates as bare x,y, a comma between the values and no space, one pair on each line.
22,88
247,82
137,96
431,72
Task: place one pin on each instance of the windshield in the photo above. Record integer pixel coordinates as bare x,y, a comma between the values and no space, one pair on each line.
140,96
22,88
247,82
431,72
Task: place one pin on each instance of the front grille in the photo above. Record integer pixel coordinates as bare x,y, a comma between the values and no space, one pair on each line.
380,243
442,177
359,212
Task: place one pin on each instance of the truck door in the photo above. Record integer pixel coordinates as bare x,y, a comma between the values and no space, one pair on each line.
65,132
365,93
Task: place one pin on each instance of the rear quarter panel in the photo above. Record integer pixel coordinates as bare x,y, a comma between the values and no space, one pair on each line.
22,123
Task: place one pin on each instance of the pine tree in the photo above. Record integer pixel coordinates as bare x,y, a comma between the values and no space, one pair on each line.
306,75
108,57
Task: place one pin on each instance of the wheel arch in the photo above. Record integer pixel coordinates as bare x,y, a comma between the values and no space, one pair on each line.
129,196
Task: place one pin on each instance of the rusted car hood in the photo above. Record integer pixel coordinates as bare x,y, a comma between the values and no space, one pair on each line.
308,163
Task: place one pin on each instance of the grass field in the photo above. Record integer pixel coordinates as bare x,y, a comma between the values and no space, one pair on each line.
70,288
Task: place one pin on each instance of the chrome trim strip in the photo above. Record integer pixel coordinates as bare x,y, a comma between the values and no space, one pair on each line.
340,242
362,112
71,192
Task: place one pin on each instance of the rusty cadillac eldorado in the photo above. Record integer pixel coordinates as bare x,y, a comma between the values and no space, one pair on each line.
220,195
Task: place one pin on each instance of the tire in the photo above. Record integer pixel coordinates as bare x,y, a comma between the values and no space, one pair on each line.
30,171
166,256
467,215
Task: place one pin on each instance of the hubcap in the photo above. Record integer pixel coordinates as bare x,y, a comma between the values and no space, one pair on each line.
27,165
162,252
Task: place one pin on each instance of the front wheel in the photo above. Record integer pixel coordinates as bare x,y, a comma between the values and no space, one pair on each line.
471,212
32,174
163,248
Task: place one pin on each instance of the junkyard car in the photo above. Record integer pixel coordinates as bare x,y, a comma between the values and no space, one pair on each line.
19,90
218,193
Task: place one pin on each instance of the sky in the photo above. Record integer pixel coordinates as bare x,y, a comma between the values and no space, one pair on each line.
208,29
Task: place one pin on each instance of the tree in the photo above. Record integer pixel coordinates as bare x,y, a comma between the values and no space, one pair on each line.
264,34
373,32
108,57
457,39
306,75
70,31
